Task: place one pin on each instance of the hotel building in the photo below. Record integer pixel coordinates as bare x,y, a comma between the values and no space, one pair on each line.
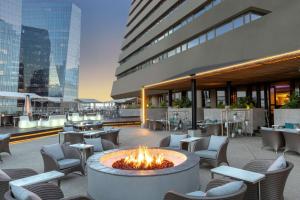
212,51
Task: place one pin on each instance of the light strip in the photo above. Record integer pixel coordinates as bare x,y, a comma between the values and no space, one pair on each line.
143,106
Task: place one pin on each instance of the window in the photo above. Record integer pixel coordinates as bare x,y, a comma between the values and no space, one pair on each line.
184,47
247,18
171,53
238,22
202,39
223,29
211,34
193,43
254,16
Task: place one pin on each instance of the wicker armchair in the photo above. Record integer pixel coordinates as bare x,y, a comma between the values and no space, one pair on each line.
11,175
273,139
46,191
219,158
272,187
165,142
69,154
111,135
4,144
212,184
292,141
73,138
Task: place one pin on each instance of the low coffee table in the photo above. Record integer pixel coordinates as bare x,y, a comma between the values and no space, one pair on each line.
240,174
188,143
39,178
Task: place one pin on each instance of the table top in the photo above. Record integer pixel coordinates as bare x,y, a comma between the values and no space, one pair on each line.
40,178
244,175
82,146
93,132
190,139
287,130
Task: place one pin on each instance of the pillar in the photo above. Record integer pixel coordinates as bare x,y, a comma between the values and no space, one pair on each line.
228,93
194,104
213,98
170,98
266,97
258,96
292,87
199,99
144,106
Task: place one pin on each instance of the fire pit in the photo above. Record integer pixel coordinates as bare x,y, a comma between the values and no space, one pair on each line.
141,173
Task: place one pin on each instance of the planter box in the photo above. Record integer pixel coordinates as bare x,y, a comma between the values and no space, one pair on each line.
136,112
282,116
185,114
255,116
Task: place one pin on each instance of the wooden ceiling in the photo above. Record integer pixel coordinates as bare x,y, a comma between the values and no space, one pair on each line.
271,69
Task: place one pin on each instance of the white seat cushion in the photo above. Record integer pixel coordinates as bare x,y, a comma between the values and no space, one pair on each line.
197,194
21,193
66,163
279,163
216,142
226,189
55,151
175,140
96,142
207,154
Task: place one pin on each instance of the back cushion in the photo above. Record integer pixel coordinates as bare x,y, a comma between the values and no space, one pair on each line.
279,163
96,142
175,140
226,189
216,142
55,151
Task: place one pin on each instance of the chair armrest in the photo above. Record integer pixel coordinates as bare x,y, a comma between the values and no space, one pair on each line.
107,145
46,191
165,142
171,195
70,152
223,149
216,183
49,162
78,197
202,144
259,166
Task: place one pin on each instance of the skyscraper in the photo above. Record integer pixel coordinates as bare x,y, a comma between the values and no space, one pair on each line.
10,34
63,22
34,61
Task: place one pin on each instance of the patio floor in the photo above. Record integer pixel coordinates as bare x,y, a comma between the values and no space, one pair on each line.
240,151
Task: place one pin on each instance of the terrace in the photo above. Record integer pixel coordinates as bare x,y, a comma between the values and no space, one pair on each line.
240,151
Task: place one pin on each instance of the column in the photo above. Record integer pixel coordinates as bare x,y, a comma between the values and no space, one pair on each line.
144,107
194,104
292,87
170,99
258,96
213,98
199,99
228,93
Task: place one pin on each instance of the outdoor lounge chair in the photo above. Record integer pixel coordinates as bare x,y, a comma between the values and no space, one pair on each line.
272,187
73,137
212,150
61,157
44,191
99,145
292,141
111,135
7,175
4,144
212,184
167,141
273,139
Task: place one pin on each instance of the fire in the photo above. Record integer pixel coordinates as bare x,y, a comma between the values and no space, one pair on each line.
143,159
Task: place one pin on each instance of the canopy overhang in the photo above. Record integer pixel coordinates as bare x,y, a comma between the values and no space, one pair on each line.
273,68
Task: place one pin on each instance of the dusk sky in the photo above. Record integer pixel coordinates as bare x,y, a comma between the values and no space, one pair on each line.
103,27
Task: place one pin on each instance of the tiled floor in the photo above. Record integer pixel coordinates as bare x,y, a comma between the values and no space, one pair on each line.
240,151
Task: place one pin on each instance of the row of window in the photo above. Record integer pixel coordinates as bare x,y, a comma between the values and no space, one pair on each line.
171,10
176,27
204,37
137,14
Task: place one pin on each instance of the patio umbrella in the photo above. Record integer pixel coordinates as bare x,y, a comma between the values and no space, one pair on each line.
27,106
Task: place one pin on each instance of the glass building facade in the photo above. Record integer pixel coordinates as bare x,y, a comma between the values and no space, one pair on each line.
10,34
34,61
63,22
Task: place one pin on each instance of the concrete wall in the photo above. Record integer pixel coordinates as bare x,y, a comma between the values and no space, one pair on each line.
254,40
282,116
157,113
130,112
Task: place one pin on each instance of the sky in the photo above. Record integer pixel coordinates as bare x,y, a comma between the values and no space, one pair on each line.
102,29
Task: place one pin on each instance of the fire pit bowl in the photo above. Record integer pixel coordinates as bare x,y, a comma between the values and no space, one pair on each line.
106,182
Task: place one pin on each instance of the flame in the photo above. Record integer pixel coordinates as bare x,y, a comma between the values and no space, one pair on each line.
142,158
